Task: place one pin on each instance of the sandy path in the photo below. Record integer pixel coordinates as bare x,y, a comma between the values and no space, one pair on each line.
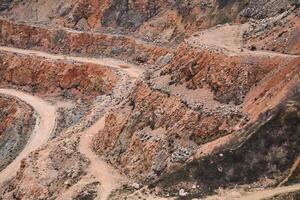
130,69
108,177
44,126
228,38
104,173
260,195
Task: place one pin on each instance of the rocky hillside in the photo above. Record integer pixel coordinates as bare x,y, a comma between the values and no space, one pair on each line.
275,139
17,121
149,99
56,78
152,20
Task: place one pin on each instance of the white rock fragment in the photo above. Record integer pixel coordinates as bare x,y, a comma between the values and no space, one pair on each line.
136,186
182,193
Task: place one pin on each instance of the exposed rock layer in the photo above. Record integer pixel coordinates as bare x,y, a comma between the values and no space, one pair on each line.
58,78
72,42
17,123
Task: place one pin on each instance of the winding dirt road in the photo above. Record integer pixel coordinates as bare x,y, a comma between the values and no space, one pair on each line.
108,177
131,70
105,174
45,124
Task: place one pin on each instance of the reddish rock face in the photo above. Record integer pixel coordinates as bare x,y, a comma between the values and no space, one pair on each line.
229,77
47,77
207,112
70,42
145,137
152,19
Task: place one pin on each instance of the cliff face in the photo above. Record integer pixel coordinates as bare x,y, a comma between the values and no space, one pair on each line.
279,33
153,132
58,78
131,14
275,139
229,77
17,121
196,95
78,43
154,20
159,128
71,13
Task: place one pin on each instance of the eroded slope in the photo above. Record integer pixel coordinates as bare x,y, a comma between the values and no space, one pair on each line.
17,123
205,114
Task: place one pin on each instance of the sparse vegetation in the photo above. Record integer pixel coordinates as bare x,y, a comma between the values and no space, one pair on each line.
149,98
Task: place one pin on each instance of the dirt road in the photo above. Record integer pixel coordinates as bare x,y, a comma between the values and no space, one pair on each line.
130,69
264,194
108,177
228,39
105,174
45,124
